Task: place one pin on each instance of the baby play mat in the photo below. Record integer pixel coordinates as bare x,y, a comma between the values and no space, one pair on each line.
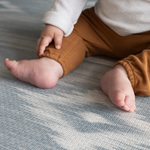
75,114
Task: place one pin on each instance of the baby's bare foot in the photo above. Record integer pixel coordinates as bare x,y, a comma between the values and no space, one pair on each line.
43,73
116,85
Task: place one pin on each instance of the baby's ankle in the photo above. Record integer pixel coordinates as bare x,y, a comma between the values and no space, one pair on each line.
121,68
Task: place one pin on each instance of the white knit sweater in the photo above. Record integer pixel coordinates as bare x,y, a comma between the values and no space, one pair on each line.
125,17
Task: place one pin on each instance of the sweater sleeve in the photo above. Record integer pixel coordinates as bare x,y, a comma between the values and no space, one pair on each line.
64,14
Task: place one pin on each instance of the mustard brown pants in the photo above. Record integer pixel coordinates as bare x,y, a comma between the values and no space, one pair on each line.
92,37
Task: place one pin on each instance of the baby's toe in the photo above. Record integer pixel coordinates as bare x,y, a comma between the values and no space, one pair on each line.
9,64
118,98
130,102
125,107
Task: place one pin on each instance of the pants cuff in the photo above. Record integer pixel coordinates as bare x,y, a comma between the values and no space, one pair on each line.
129,71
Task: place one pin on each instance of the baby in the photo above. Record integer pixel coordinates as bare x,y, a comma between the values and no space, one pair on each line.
114,28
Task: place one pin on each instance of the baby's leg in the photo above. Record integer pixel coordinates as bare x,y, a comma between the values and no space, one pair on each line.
116,85
52,65
43,73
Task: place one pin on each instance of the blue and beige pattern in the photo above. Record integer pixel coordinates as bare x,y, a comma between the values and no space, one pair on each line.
74,115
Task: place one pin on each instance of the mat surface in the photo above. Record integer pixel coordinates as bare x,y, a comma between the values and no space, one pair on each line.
74,115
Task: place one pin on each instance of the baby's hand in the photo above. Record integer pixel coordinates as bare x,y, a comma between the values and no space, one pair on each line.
48,34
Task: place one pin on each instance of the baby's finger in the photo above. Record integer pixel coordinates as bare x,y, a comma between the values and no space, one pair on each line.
43,44
37,46
58,40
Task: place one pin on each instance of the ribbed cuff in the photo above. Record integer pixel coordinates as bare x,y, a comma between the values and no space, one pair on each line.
58,20
129,71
